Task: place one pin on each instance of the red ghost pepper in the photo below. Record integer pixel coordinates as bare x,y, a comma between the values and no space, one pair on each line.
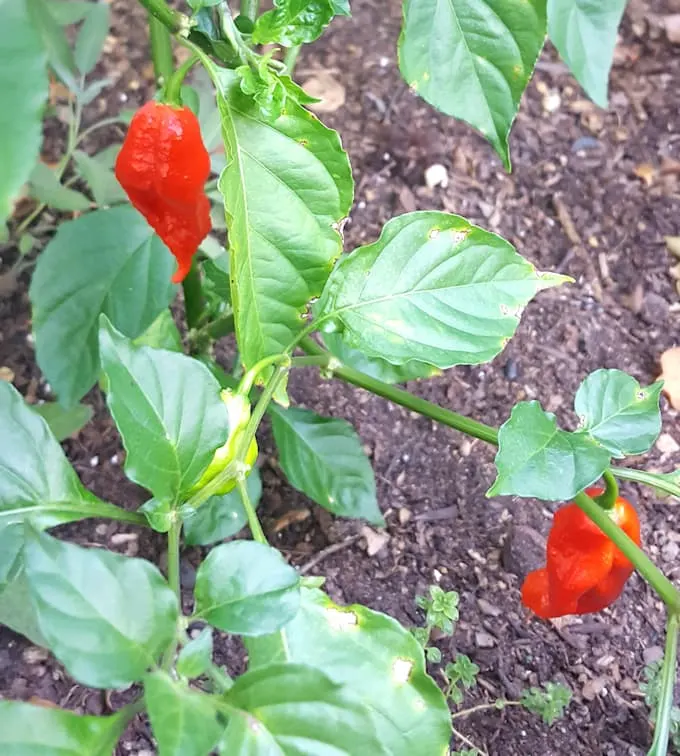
585,572
163,166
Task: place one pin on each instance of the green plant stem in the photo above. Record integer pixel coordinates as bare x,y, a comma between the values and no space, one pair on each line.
250,8
193,295
173,581
173,85
251,514
404,398
219,678
497,705
607,500
160,11
232,34
314,360
161,51
667,592
648,479
290,59
468,742
663,712
114,120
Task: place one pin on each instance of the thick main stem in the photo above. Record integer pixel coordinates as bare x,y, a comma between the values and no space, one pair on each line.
250,8
251,514
164,14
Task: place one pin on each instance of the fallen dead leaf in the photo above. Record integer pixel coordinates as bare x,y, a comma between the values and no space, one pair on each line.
290,518
671,24
374,540
327,89
673,245
670,375
646,172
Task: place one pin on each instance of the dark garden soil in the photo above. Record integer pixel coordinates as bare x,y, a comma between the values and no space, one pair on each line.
592,194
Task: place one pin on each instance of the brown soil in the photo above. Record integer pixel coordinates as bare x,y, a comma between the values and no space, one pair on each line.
592,194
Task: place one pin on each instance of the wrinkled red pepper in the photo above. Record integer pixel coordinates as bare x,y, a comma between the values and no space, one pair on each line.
163,166
585,572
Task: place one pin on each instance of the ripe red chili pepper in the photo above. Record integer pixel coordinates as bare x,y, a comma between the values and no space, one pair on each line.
163,166
585,572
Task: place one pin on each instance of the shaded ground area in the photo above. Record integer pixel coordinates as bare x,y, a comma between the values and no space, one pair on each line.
592,194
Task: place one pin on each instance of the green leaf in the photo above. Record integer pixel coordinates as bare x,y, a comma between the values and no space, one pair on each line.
294,710
196,657
472,59
16,609
287,185
64,423
323,458
246,588
536,458
36,479
24,86
168,410
91,36
106,617
102,182
618,413
340,7
220,517
434,289
584,32
161,334
66,12
293,22
376,366
217,277
27,730
46,187
108,261
184,722
55,43
372,655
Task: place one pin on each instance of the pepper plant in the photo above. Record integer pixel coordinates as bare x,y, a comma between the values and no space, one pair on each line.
432,292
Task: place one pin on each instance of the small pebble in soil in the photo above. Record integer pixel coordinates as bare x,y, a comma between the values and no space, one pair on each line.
35,655
437,175
484,640
114,459
94,461
511,369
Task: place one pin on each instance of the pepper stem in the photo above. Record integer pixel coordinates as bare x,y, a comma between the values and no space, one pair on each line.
608,498
172,94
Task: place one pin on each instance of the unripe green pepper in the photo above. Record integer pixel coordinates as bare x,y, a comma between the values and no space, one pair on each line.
238,411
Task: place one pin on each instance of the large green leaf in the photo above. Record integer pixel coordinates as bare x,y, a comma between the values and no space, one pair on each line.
168,410
55,43
106,617
64,422
472,59
101,179
373,655
376,366
37,483
584,32
27,730
293,22
221,516
184,722
91,37
616,411
16,609
433,288
46,187
108,261
246,588
323,457
294,710
536,458
286,186
23,83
